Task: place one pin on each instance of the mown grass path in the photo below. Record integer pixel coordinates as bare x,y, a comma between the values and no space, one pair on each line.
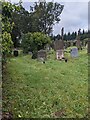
32,89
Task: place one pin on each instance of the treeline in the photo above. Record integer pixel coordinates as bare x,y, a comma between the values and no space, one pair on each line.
72,36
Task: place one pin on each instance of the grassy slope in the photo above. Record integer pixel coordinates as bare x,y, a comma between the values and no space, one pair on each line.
39,90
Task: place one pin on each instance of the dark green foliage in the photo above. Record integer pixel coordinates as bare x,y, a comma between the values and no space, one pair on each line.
45,15
7,26
6,43
34,42
41,18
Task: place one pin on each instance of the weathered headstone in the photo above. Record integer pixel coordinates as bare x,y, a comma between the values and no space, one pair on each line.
30,53
58,45
78,44
47,47
74,52
15,52
59,54
42,55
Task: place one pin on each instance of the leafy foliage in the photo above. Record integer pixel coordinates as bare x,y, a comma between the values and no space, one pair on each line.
7,26
40,18
45,15
6,43
34,41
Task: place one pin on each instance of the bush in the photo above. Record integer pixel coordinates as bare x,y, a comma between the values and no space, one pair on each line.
34,42
6,43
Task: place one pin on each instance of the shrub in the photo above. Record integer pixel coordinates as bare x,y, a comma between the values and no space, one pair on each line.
34,41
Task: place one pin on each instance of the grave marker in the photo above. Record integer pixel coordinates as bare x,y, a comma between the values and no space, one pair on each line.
59,54
15,52
74,52
41,56
58,45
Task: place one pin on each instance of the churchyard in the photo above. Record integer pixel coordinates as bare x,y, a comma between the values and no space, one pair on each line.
43,75
56,89
49,83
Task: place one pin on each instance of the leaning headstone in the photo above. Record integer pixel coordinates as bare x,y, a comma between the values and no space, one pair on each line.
41,56
74,52
58,45
15,52
59,54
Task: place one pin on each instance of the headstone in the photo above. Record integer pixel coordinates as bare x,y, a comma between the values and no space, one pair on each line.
58,45
30,53
15,52
74,52
78,44
59,54
41,56
47,47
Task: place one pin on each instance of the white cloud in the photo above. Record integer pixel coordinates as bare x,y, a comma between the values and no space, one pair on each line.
73,17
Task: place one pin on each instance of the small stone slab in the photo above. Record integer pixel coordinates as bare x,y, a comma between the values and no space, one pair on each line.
74,52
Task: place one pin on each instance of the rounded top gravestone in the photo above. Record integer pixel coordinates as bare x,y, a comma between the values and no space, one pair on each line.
74,52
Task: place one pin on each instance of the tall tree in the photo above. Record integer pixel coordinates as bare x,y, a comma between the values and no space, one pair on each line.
7,26
22,24
45,15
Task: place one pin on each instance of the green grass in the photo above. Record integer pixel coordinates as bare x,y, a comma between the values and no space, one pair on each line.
35,90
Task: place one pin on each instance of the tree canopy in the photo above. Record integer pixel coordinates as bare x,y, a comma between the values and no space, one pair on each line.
45,15
7,26
34,41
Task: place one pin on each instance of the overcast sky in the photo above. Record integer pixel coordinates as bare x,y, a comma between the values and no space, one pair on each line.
73,17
